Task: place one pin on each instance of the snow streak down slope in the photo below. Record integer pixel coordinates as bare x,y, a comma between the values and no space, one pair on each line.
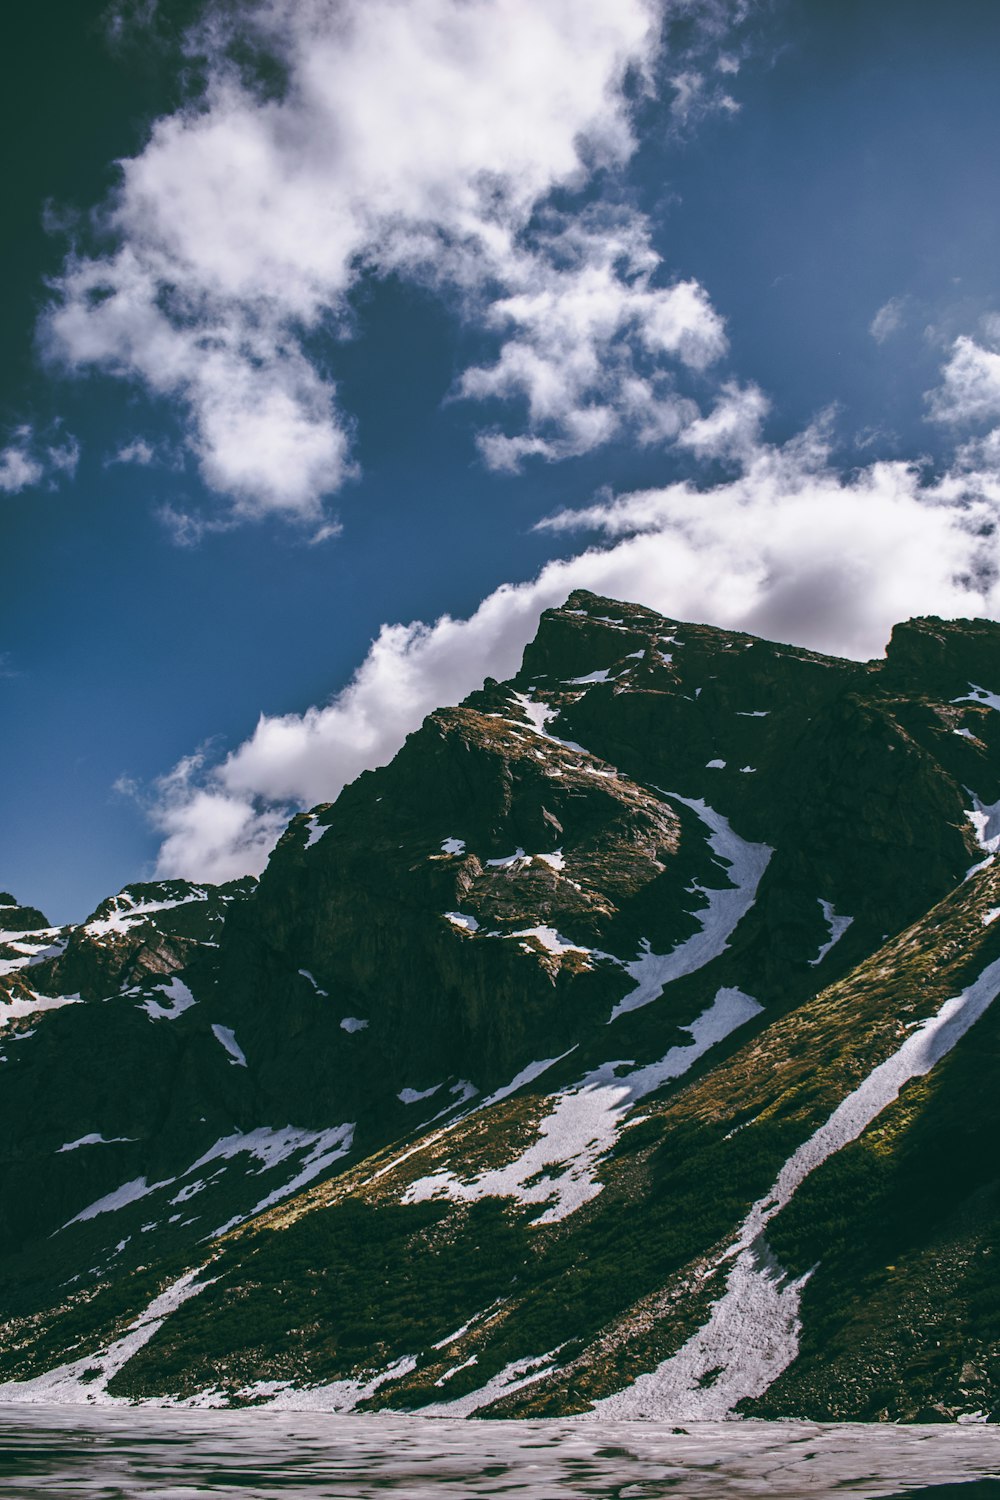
725,910
752,1333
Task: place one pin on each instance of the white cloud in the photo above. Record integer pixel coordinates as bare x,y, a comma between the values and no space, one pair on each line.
589,332
790,550
888,320
970,388
414,138
144,453
732,428
29,461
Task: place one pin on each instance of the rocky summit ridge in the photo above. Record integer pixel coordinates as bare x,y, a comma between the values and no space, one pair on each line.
626,1046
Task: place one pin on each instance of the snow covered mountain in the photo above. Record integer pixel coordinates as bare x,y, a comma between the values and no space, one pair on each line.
626,1046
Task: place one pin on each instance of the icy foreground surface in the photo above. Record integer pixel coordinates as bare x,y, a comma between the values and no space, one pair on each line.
264,1455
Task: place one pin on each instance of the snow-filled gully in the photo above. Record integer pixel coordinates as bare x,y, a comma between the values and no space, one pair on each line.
752,1332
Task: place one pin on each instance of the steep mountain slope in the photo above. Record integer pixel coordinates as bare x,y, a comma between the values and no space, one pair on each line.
624,1046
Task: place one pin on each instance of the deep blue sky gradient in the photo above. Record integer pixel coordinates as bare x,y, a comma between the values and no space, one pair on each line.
862,166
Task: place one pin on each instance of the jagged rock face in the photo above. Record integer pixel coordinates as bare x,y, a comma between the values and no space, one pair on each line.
625,1046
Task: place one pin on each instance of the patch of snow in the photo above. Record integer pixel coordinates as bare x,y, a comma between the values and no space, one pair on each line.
990,917
555,861
315,830
66,1385
751,1335
517,858
635,655
473,1359
549,939
519,1373
719,918
353,1024
459,919
752,713
599,676
453,846
980,695
180,999
94,1140
311,978
966,734
539,715
128,912
14,1010
985,819
129,1192
461,1092
747,770
837,927
559,1168
715,765
271,1147
337,1396
414,1096
226,1037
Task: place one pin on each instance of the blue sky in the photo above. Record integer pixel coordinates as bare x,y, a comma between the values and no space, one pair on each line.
707,288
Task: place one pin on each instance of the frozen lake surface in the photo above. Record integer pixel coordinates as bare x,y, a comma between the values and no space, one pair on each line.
173,1454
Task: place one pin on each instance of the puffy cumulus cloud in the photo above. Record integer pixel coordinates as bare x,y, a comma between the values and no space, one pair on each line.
970,385
588,334
731,430
30,460
790,549
221,836
410,137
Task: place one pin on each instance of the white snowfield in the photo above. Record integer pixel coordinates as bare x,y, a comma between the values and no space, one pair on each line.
981,695
837,926
353,1024
752,1334
15,1010
179,999
985,819
414,1096
584,1122
314,830
318,1149
719,918
31,947
591,677
516,1375
127,912
86,1380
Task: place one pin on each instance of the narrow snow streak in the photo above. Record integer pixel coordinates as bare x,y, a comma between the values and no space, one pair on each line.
226,1037
837,927
94,1139
66,1384
559,1168
516,1375
719,919
752,1333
